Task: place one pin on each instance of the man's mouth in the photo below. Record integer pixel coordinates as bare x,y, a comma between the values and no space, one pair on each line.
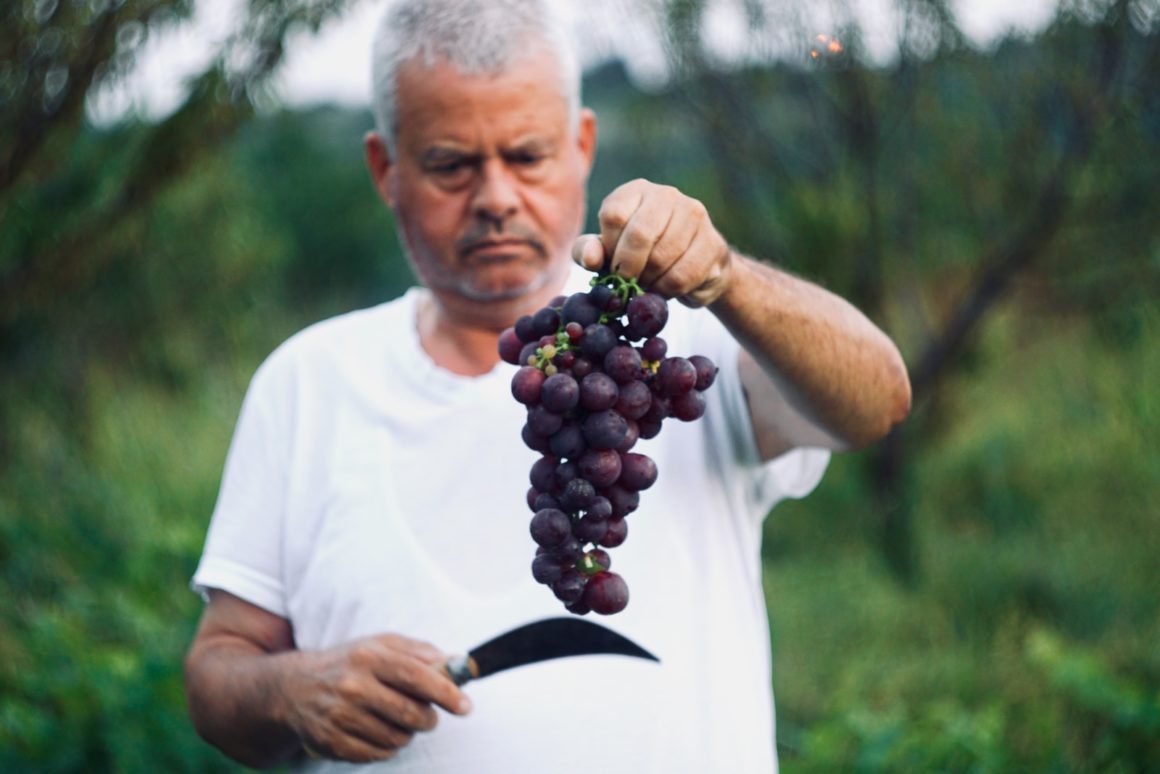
495,250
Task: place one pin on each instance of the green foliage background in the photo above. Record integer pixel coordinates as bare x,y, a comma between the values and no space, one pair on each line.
1021,634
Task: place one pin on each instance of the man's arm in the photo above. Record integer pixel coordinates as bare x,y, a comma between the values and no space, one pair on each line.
261,701
816,371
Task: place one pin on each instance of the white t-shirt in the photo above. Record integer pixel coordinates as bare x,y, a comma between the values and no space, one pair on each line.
368,491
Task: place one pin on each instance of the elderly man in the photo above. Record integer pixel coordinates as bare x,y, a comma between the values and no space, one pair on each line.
373,497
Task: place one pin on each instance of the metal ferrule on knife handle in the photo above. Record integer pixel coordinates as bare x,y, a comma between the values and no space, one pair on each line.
461,669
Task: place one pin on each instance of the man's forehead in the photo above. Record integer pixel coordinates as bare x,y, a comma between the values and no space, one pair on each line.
536,65
440,100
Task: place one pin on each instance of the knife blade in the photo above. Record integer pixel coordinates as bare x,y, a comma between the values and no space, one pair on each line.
543,640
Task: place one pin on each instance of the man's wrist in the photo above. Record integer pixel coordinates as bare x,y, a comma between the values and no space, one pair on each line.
735,274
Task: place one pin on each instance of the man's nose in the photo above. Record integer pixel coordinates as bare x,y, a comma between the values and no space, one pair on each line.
497,195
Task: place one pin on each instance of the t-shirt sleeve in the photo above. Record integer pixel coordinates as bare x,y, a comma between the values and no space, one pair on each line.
243,550
793,474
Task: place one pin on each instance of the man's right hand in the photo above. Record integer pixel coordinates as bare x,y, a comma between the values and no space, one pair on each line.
261,701
364,701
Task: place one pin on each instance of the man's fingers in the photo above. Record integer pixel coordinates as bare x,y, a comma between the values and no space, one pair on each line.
696,274
373,731
353,749
419,680
588,251
670,252
616,211
353,734
402,710
644,230
424,651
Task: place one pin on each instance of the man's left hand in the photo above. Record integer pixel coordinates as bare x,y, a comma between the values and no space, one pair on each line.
661,237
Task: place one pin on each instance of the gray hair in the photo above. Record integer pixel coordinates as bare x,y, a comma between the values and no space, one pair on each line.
475,36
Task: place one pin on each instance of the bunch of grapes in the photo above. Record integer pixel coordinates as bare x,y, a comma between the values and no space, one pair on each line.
596,378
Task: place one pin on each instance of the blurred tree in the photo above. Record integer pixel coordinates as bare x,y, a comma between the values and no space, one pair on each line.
58,220
1040,119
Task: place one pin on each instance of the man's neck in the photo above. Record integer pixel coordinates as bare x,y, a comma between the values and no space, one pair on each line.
460,347
462,336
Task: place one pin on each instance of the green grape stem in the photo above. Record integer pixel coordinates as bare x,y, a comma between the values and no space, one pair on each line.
624,287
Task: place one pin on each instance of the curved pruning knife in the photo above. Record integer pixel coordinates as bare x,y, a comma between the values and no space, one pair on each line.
543,640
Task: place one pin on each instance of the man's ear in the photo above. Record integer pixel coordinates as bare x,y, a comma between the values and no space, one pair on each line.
586,138
379,164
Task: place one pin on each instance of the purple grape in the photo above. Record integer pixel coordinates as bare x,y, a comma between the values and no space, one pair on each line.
647,315
604,429
637,472
598,391
535,442
568,551
676,376
631,437
617,533
541,421
565,359
589,529
560,393
528,354
654,349
600,296
622,363
690,406
634,400
575,331
525,330
600,508
601,557
624,500
578,494
567,442
591,562
658,409
550,527
565,472
527,384
706,371
546,570
606,593
578,607
543,474
600,466
546,322
569,587
545,500
649,428
598,340
582,367
509,347
579,309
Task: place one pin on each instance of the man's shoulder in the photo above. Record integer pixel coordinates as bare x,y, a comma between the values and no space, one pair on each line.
350,333
340,344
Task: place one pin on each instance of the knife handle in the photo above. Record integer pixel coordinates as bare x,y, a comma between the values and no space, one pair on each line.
460,669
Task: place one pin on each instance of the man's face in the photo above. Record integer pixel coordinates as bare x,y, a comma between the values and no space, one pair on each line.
487,182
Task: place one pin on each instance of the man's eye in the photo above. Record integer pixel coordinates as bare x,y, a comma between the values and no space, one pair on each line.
448,167
526,159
